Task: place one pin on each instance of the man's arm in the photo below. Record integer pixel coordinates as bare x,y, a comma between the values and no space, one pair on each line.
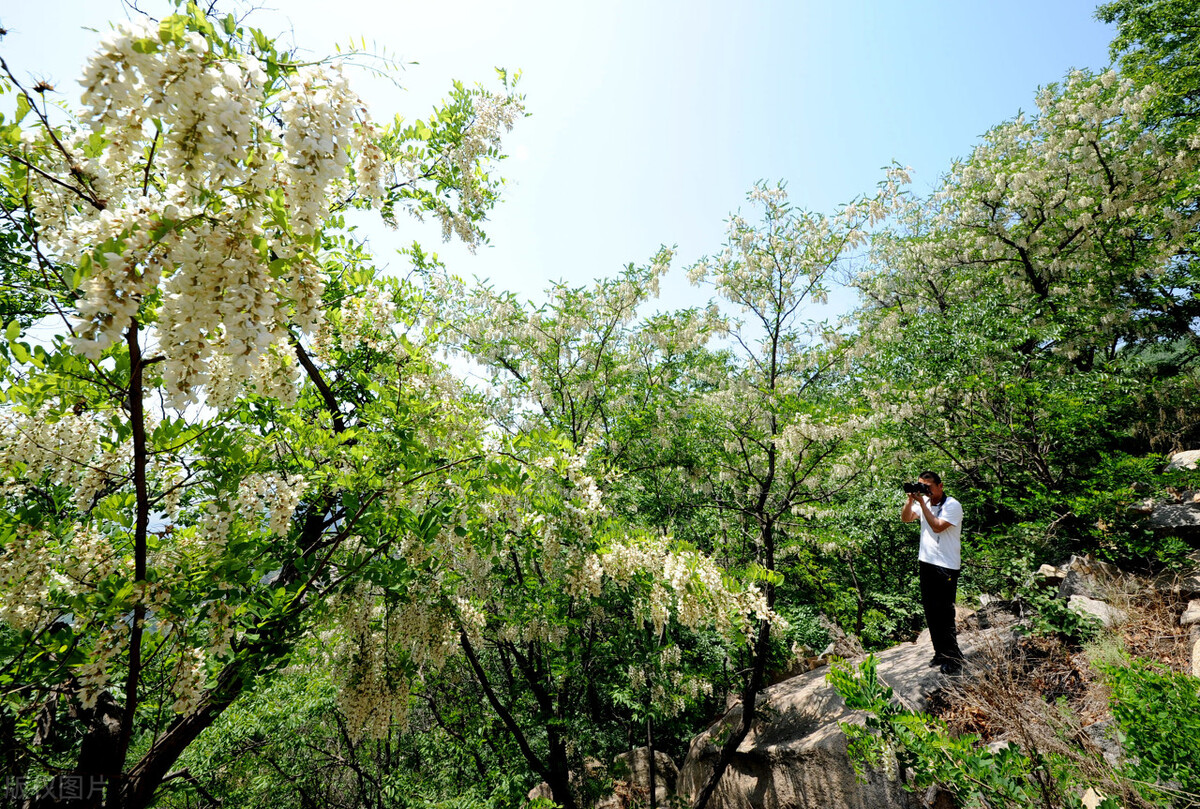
936,524
909,513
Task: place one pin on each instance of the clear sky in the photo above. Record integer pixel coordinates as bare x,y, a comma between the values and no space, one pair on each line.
651,120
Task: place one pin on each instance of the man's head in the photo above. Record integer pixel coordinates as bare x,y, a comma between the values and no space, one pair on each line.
934,481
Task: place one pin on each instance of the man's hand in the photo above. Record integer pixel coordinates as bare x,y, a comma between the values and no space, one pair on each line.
936,524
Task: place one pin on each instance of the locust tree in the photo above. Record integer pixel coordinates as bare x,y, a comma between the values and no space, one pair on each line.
187,457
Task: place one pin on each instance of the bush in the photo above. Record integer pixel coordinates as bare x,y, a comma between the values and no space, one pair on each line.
1158,711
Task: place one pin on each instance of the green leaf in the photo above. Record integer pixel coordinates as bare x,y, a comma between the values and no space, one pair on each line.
12,331
23,107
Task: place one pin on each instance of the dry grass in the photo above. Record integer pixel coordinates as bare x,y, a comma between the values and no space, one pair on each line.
1046,695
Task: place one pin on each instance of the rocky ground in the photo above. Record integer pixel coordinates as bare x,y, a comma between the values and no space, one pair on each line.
1034,690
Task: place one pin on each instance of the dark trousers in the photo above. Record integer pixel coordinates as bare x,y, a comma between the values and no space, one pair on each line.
939,587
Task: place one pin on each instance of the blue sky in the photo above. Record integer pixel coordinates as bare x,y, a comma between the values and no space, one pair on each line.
651,120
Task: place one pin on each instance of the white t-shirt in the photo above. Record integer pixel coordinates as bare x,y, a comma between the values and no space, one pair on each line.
942,549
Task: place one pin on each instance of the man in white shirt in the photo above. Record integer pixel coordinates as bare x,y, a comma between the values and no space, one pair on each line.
940,559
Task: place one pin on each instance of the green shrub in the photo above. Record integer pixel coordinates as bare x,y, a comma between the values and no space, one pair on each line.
1158,711
894,738
1050,616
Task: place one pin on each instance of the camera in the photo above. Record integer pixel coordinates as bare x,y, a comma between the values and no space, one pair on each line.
916,488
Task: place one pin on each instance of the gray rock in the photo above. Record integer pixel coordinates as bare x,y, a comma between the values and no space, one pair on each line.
1175,518
633,770
590,765
846,647
1106,613
1196,659
1191,615
962,616
1085,576
841,644
1186,587
795,755
1183,460
1103,737
995,613
1077,584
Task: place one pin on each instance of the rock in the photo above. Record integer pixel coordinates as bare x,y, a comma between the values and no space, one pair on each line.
590,765
542,790
1196,659
962,616
993,613
1186,587
803,659
1076,584
1091,799
633,770
1144,507
1083,576
847,647
1191,615
936,798
1103,736
1183,460
1182,519
1139,487
1106,613
795,754
842,645
1050,574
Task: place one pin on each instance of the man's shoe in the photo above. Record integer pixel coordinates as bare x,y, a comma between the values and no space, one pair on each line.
951,667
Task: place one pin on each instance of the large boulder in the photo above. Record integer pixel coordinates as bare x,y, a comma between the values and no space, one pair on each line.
630,780
1191,615
1183,460
1085,576
795,754
1181,519
1108,615
631,775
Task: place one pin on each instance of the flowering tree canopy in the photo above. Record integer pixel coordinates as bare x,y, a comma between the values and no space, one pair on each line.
187,457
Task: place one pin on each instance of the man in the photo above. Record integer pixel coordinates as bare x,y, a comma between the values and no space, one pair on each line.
941,526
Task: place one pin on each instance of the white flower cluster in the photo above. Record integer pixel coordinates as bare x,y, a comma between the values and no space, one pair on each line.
65,447
271,497
686,584
370,320
318,112
90,559
189,679
221,616
492,114
95,673
1043,203
26,571
371,654
371,168
185,198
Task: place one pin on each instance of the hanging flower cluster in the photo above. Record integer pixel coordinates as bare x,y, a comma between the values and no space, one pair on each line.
201,185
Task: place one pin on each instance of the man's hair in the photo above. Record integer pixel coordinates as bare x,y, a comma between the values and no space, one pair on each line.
934,476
